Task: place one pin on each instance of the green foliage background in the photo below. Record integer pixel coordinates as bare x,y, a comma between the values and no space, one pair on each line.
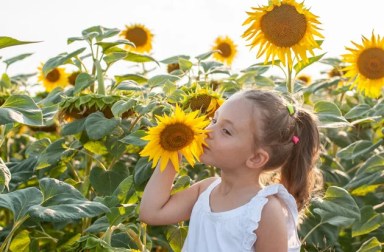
71,178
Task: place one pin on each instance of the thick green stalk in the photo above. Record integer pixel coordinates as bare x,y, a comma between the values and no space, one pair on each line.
290,83
100,79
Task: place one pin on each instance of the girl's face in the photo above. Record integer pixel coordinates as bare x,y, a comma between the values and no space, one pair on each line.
230,140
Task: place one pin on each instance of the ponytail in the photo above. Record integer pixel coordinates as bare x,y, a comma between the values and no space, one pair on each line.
298,174
291,138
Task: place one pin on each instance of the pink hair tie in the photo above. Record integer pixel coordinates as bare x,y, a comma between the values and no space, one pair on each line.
295,139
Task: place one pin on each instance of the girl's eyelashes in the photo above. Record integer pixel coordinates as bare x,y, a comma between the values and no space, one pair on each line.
227,132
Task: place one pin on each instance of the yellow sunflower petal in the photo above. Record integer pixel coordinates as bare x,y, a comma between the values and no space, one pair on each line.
179,132
365,66
284,29
140,36
55,78
227,50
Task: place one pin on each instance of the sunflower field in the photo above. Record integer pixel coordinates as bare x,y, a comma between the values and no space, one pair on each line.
75,157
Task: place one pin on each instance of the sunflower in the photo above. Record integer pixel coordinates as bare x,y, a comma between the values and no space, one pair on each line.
306,79
281,29
55,78
140,36
365,64
227,50
181,132
203,100
72,77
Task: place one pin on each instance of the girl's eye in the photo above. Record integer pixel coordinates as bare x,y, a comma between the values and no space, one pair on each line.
227,132
213,120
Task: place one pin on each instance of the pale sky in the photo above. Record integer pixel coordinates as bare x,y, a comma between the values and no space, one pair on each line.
179,26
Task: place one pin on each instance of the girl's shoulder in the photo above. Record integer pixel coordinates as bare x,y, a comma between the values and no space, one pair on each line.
205,183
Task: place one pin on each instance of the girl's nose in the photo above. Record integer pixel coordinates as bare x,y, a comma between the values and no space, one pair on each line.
210,131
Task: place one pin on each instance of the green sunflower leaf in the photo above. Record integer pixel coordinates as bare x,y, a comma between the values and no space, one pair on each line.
330,115
20,201
62,202
61,59
21,109
8,41
337,208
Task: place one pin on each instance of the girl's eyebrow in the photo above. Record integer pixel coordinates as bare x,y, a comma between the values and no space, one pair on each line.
227,121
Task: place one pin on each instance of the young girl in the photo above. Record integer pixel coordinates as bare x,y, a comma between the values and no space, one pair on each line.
252,132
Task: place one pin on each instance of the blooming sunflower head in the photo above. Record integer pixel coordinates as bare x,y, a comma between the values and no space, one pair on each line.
227,50
180,132
283,29
55,78
306,79
365,65
203,100
140,36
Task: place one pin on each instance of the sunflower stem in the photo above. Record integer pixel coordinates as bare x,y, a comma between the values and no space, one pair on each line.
100,79
290,83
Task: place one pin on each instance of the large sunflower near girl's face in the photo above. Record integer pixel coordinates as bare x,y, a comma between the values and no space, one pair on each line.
203,100
283,29
140,36
227,50
181,132
366,66
55,78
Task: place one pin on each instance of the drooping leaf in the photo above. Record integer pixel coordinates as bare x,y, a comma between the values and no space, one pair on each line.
97,126
337,208
21,109
20,201
62,202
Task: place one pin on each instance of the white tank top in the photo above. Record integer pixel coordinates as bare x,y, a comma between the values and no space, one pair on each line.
233,230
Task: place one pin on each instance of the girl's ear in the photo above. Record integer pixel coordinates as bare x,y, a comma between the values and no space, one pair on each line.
258,159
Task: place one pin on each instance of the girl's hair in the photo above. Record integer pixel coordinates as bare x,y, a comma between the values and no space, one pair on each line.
276,130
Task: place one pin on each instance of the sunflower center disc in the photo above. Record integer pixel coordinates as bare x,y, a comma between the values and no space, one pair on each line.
371,63
137,35
53,75
176,136
200,102
225,50
284,26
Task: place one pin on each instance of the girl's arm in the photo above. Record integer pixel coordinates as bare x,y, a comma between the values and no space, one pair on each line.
272,233
159,207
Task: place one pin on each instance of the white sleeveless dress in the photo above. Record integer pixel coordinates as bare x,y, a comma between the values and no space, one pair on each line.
233,230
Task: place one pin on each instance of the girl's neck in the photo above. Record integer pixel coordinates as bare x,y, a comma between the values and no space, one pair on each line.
233,182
